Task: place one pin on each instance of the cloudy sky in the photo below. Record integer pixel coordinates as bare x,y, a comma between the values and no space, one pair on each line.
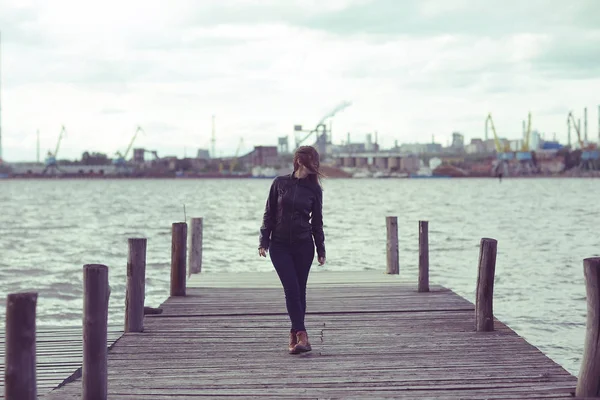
411,68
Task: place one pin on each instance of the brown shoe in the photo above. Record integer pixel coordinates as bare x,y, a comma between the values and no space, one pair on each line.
303,345
293,341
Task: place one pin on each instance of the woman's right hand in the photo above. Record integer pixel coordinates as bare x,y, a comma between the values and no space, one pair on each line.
262,252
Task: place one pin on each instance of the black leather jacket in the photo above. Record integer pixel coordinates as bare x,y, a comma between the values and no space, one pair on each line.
294,212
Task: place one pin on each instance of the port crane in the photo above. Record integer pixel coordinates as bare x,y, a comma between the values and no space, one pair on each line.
524,155
503,152
589,151
322,137
234,162
121,160
51,163
502,149
525,145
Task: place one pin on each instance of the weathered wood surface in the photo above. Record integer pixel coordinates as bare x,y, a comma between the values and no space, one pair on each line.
373,340
484,295
589,382
178,258
195,248
423,256
392,251
135,292
19,358
96,293
59,353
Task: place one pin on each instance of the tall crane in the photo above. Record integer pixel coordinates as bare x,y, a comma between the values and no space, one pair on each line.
589,151
51,158
571,120
524,155
503,151
120,161
525,145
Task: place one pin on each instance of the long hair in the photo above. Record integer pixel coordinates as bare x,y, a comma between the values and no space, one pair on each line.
309,158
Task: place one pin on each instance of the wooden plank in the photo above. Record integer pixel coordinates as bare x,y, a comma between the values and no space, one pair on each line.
59,352
373,336
318,278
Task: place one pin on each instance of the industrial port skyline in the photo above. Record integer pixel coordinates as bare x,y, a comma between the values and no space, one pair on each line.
265,68
38,153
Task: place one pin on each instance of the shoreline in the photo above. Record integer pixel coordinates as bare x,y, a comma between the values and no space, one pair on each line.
215,177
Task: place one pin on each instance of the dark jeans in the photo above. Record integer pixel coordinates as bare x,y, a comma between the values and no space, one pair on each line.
292,263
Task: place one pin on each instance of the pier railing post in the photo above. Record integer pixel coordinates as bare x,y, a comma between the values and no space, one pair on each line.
195,254
178,258
393,262
136,285
484,311
423,256
96,293
588,384
19,361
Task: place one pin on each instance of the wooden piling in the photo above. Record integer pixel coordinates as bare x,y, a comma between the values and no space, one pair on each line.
423,256
19,361
178,258
484,312
588,383
96,293
393,262
195,255
136,286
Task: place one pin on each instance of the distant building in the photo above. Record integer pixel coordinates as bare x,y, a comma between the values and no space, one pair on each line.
433,148
354,148
412,148
283,145
458,141
349,147
420,148
490,145
483,146
410,164
535,140
369,145
476,146
138,155
203,154
262,156
170,162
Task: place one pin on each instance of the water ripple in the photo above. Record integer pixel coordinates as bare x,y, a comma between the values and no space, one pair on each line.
50,229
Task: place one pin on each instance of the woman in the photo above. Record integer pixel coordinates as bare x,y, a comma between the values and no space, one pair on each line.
293,217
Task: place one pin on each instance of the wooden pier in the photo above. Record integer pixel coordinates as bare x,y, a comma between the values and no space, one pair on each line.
374,335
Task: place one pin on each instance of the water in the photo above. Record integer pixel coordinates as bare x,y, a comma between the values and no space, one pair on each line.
50,229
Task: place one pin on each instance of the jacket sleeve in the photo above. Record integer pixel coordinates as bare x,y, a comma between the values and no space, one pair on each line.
269,217
317,223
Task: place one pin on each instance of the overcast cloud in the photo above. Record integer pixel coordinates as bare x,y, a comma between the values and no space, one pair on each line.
412,69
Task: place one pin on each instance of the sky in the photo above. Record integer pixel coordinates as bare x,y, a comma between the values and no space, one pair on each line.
412,70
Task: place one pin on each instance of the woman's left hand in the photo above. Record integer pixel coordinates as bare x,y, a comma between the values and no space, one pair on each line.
321,260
